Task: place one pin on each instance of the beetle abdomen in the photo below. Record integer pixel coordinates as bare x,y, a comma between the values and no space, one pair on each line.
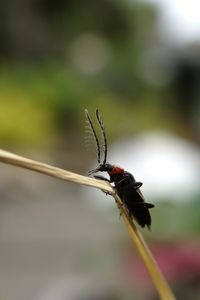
133,199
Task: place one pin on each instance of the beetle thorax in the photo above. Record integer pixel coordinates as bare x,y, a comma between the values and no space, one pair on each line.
116,171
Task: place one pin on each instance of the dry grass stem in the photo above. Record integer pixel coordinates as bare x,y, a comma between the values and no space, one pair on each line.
46,169
156,275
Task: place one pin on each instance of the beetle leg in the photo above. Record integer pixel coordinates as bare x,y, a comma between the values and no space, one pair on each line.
144,204
122,180
136,185
121,212
101,178
105,179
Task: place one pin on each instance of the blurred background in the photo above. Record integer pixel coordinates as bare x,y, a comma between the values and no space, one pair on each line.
139,63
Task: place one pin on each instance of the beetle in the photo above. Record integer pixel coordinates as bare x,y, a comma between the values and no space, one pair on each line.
125,184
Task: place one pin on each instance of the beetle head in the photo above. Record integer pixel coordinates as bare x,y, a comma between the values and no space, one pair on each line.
102,168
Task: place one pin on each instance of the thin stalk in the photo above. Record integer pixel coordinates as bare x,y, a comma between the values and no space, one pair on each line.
156,275
23,162
143,250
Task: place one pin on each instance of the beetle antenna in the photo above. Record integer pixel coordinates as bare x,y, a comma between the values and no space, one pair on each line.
105,147
91,127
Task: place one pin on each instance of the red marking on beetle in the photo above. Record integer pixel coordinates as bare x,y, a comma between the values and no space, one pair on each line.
116,170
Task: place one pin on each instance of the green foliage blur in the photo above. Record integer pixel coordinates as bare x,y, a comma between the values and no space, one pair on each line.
45,85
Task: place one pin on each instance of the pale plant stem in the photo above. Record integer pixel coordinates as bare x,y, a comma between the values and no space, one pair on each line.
16,160
156,275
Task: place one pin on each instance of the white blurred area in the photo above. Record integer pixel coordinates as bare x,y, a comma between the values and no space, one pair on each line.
179,21
167,165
